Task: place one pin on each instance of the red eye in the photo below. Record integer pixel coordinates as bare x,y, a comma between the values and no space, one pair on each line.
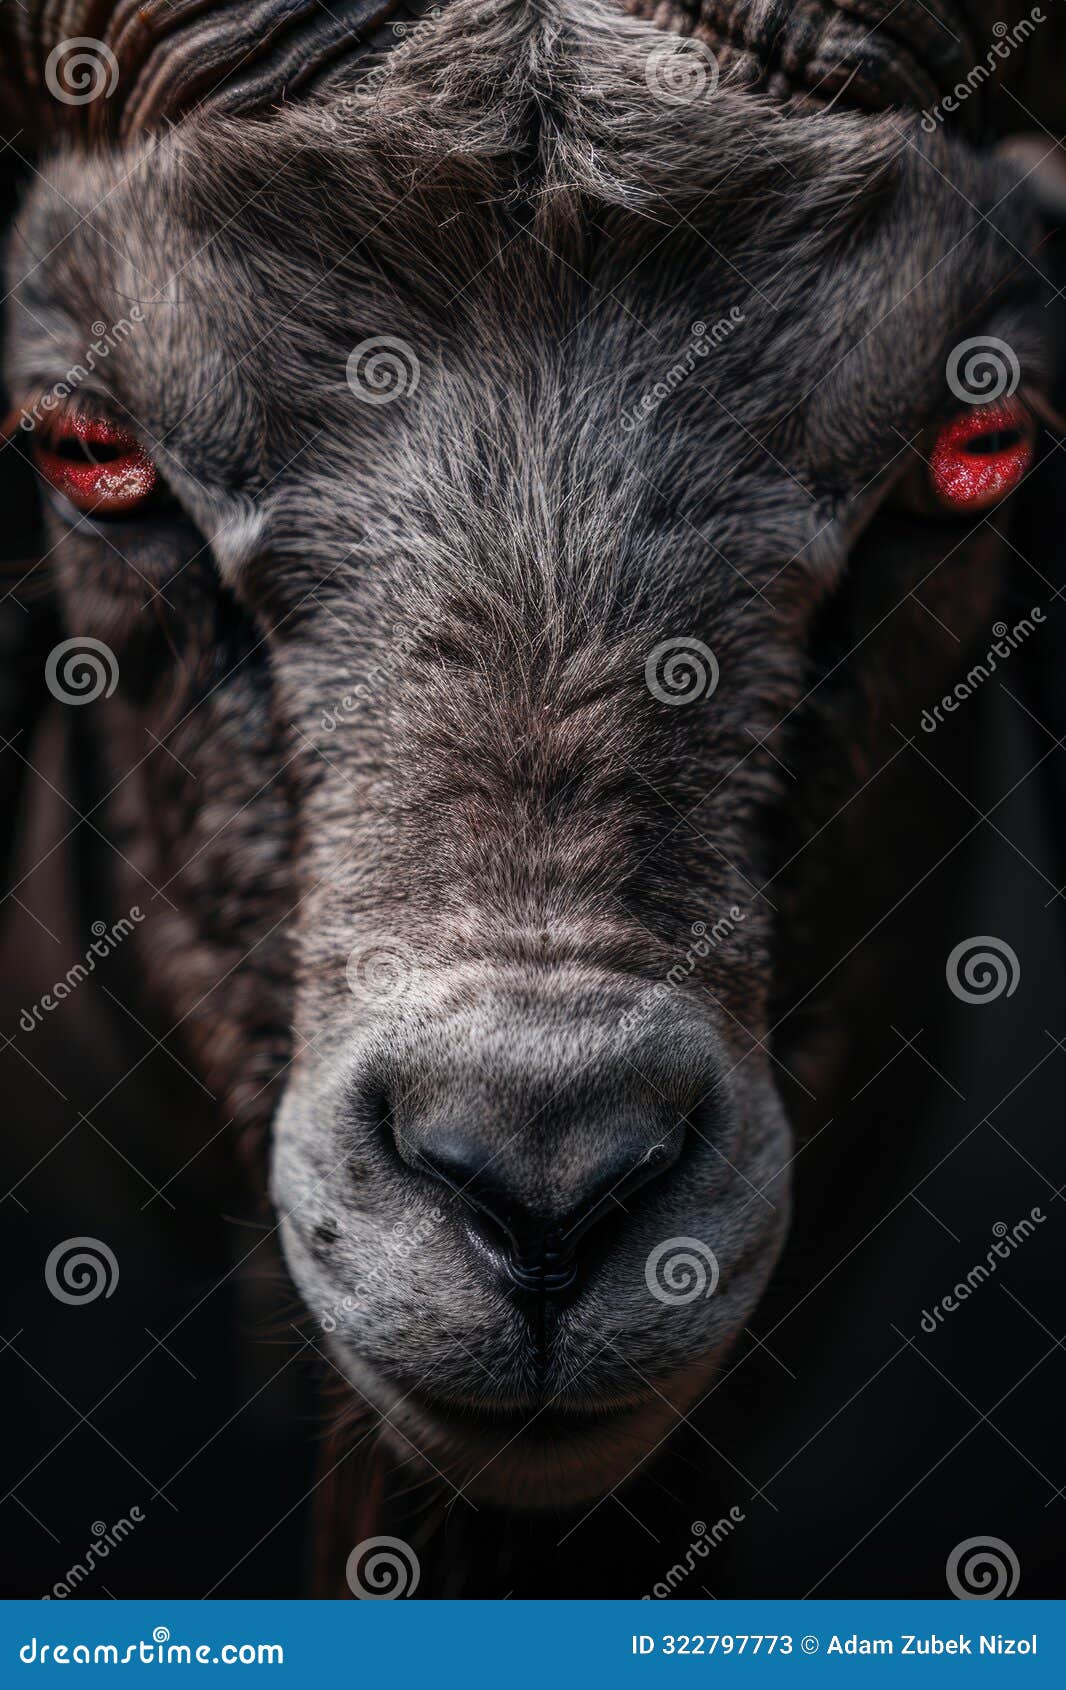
97,465
981,456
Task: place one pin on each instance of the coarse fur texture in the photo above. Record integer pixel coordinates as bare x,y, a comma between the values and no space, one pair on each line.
429,840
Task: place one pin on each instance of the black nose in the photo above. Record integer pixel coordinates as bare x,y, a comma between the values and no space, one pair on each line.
548,1102
535,1229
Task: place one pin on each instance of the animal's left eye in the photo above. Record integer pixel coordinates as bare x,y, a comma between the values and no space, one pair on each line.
981,456
95,463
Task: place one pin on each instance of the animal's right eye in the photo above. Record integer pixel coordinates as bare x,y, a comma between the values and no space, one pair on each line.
971,462
981,456
95,463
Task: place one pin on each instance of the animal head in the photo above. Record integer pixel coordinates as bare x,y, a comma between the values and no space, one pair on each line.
493,454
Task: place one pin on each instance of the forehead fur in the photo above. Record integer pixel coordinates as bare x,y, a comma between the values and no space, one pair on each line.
508,195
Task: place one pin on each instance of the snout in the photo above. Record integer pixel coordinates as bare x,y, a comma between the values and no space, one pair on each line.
531,1208
542,1135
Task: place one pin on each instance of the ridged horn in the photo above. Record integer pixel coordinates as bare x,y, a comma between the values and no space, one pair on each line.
114,69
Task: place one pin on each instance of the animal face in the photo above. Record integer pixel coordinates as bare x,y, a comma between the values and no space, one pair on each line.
517,439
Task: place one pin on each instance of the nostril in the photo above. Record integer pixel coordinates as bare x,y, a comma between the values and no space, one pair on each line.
625,1174
508,1101
527,1220
545,1265
463,1166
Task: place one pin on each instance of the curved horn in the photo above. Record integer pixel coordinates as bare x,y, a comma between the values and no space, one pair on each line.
112,69
877,53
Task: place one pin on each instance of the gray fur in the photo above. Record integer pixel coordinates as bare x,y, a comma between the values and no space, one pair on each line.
506,810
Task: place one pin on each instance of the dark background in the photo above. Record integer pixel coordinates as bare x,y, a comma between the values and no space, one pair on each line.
859,1448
